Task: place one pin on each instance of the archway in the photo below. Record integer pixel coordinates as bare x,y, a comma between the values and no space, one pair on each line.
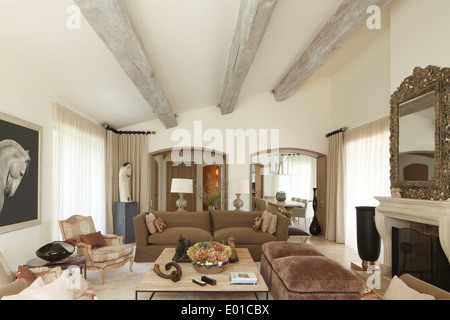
321,176
158,162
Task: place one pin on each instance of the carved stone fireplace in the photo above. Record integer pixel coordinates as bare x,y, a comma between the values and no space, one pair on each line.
400,212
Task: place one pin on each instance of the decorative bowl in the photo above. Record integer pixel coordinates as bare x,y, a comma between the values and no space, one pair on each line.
55,251
280,196
210,268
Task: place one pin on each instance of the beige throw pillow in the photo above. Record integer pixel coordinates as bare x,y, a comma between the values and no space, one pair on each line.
150,221
266,217
273,224
398,290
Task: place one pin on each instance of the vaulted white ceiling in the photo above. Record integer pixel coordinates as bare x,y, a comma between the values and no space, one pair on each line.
187,42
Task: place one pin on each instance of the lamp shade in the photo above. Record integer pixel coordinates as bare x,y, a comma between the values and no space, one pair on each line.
181,186
239,186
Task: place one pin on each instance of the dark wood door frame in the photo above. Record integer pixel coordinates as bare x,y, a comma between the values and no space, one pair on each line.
182,171
153,168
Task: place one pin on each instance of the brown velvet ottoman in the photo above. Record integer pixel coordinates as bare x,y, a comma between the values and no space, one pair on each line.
281,249
297,271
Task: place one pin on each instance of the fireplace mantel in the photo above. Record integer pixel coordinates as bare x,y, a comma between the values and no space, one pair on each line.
399,212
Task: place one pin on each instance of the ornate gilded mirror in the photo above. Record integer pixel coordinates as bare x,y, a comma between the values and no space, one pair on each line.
420,135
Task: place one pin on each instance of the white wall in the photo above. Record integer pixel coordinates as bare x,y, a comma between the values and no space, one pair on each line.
25,100
302,122
361,87
413,33
419,36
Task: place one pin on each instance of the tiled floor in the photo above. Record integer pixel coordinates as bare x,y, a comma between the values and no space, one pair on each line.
336,251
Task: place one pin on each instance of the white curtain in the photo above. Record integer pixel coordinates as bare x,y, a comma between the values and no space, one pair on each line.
297,176
335,222
367,171
79,168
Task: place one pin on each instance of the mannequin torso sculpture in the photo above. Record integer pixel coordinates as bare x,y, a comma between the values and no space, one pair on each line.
124,182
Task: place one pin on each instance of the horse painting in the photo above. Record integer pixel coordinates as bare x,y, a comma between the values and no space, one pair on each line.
14,162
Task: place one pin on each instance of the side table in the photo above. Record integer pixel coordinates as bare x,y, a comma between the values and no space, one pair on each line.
74,260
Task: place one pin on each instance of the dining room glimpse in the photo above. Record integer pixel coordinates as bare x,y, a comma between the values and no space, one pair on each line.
297,175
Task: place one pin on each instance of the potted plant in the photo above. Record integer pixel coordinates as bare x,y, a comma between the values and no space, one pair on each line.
211,194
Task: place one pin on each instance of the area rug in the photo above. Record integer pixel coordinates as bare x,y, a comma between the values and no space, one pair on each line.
120,284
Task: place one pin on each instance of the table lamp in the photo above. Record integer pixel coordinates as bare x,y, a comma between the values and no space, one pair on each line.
181,186
239,187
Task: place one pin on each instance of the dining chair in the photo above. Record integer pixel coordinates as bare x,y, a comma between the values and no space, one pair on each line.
302,213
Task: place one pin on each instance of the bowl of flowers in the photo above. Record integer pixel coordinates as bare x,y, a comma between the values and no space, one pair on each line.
209,257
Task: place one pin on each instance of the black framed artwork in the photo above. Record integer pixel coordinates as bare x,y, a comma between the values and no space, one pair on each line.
20,173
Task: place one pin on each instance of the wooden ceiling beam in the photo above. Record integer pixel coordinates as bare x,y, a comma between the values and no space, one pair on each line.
110,20
254,16
349,17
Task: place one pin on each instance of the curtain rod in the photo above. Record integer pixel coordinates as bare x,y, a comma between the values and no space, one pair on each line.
335,132
108,127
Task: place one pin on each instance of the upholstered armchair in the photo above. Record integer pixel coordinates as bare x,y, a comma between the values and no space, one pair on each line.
102,251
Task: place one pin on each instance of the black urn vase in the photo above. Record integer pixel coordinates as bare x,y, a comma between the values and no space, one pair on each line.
314,228
368,238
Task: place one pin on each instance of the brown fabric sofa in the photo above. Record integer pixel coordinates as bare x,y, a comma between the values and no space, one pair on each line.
216,225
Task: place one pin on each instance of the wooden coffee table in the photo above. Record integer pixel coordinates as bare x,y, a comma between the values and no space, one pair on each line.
153,283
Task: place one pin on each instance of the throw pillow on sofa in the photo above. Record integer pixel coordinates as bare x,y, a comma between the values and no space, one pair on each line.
160,225
266,216
273,224
398,290
38,290
27,274
48,274
269,222
150,221
257,223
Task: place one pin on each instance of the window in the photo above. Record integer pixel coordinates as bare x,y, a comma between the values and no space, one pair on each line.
366,171
297,176
79,168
